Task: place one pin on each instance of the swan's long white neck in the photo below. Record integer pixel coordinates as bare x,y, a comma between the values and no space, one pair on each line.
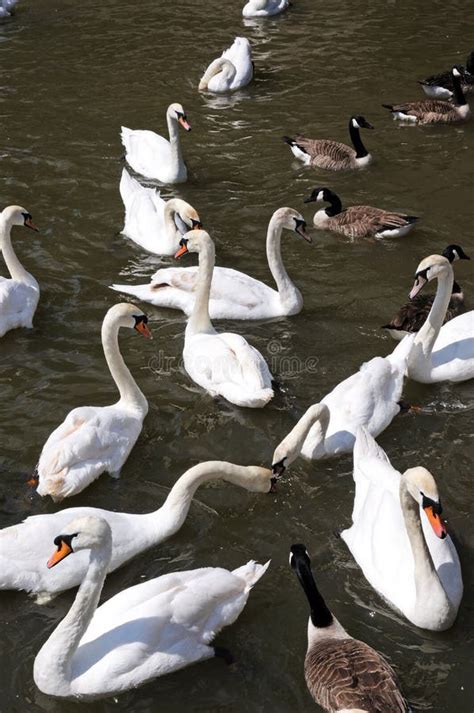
420,354
285,286
130,394
220,65
200,322
173,130
169,518
168,217
15,268
315,421
56,655
429,590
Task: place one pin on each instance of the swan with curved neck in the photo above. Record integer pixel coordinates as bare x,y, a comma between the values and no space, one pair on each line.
24,547
232,71
223,364
151,222
143,632
399,539
152,155
441,353
19,295
290,448
234,294
94,439
264,8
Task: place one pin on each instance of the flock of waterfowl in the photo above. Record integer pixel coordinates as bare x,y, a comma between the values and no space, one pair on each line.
398,537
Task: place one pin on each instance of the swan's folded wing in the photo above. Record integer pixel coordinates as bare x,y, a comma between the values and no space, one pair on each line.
179,278
15,298
249,367
145,146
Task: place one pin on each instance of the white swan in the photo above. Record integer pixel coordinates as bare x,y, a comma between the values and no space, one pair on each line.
264,8
24,548
145,631
232,71
441,352
290,447
154,224
152,155
19,295
234,295
223,364
370,398
94,439
399,540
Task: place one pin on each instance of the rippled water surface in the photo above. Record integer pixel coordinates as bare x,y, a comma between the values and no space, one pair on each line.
70,74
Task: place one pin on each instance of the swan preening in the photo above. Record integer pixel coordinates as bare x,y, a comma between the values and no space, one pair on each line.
24,548
153,156
19,295
145,631
399,539
441,352
344,675
232,71
224,363
234,294
151,222
264,8
94,439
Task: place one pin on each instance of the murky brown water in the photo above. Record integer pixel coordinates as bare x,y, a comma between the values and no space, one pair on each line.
70,73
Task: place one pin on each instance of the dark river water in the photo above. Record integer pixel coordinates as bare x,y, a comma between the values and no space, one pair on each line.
70,74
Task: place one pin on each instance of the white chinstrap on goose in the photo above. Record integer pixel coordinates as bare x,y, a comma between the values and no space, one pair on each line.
25,547
224,363
343,674
234,294
20,294
232,71
145,631
399,540
441,352
152,155
264,8
95,439
154,224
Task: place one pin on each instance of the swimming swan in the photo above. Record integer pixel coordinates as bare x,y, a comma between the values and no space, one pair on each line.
232,71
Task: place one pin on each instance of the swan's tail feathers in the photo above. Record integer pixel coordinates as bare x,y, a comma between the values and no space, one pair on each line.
256,398
125,136
141,292
128,186
251,572
366,446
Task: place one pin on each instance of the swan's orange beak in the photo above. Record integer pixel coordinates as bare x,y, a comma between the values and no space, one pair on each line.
182,251
29,224
143,329
184,123
439,528
63,551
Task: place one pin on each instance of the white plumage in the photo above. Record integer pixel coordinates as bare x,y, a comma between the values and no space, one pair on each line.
231,71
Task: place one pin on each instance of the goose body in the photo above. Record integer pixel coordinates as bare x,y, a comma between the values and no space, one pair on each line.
19,294
223,364
413,314
358,221
154,224
264,8
152,155
333,155
441,352
25,547
231,71
145,631
399,540
434,111
440,86
234,294
94,439
343,674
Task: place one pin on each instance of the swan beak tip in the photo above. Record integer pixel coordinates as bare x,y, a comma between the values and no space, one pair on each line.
29,224
185,124
63,551
439,528
182,251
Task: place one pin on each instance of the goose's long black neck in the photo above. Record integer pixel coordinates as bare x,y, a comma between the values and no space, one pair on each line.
459,97
320,614
360,149
335,206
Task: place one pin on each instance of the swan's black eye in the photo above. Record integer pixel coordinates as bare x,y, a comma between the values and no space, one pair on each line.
279,468
64,538
183,242
433,504
423,274
196,224
140,319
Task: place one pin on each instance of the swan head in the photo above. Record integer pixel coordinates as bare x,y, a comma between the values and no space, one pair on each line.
360,122
422,487
260,480
185,216
454,252
83,533
429,269
16,215
292,220
176,112
195,241
129,315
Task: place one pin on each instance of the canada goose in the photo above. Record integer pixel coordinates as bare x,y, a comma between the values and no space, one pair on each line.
334,155
412,316
434,111
343,674
358,221
440,86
